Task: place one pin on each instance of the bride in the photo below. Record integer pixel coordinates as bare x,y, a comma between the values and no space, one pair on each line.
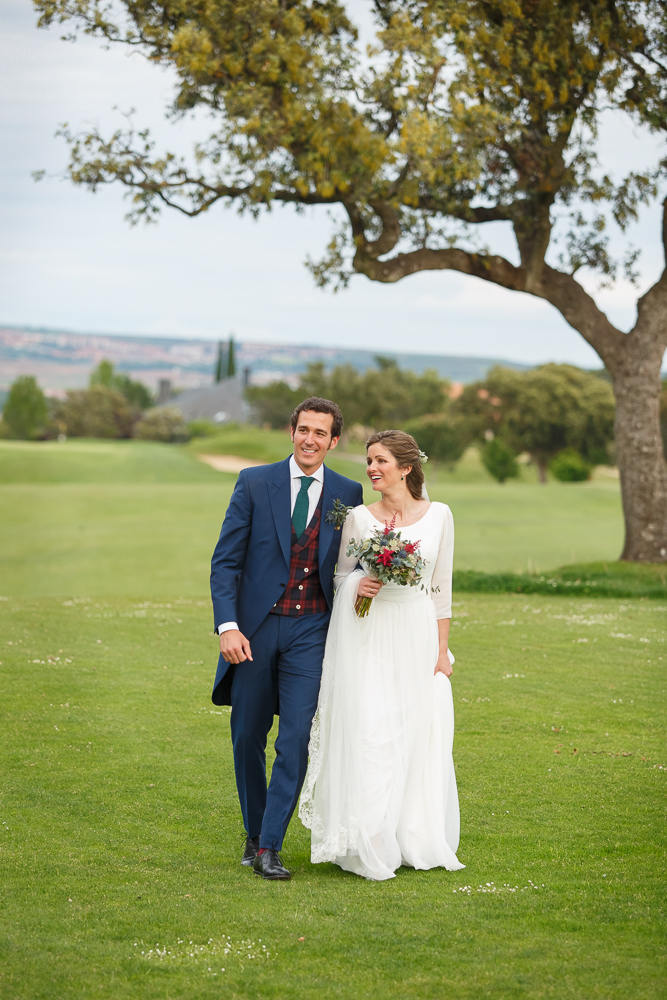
380,789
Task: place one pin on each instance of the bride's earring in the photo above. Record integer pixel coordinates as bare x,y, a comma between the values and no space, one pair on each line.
402,478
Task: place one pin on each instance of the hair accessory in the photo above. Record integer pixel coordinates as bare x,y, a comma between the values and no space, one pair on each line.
423,457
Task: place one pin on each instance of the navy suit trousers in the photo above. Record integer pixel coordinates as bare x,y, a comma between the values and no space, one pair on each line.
286,667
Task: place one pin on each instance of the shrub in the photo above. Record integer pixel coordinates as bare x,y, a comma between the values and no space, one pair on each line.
443,438
96,412
569,467
499,460
26,411
202,428
162,423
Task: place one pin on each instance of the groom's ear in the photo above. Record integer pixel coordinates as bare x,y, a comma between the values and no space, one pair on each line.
334,442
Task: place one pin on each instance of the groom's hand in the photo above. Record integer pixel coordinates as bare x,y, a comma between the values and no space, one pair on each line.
234,646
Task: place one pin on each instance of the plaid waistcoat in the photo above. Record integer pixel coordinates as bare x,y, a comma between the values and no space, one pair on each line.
303,593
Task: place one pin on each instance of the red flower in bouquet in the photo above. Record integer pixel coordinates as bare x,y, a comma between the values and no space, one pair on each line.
389,559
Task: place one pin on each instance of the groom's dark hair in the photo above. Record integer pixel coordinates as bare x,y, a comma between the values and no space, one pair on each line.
320,405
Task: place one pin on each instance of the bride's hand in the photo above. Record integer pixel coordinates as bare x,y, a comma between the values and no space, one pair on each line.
443,666
369,587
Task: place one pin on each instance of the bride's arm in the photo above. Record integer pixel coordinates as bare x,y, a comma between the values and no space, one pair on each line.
346,564
365,586
442,591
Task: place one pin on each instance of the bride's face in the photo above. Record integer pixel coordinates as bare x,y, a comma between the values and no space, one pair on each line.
382,468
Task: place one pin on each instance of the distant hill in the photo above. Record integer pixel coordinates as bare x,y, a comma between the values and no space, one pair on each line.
62,359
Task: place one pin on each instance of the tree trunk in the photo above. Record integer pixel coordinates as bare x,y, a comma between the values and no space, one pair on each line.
633,361
636,381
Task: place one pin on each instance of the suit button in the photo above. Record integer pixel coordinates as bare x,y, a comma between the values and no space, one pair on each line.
298,607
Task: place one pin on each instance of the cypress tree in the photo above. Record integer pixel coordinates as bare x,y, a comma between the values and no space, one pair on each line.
231,359
218,363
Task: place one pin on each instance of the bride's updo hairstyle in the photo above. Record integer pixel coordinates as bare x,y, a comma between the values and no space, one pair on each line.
405,450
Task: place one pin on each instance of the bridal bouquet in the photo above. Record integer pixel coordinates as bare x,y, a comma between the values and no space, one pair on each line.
389,559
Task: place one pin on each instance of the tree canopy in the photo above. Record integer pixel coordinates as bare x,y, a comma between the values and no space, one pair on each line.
26,410
543,411
461,114
469,111
135,392
100,412
382,396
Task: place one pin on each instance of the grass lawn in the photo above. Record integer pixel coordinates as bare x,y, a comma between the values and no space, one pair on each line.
102,517
120,833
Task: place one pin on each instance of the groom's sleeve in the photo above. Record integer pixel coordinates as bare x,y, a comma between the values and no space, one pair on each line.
229,554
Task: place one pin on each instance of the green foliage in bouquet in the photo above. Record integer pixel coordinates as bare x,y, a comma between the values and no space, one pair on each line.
388,558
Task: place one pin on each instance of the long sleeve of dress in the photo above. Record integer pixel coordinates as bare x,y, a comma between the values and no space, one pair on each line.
442,571
346,564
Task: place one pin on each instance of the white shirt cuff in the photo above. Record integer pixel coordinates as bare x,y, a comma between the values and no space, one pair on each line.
226,627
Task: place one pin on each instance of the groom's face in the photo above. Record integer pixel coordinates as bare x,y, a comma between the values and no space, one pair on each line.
312,439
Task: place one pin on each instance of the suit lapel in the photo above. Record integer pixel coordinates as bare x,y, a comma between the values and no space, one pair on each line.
279,498
326,529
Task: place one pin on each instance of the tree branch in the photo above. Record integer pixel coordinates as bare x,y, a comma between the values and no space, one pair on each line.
476,216
574,303
651,326
580,310
489,267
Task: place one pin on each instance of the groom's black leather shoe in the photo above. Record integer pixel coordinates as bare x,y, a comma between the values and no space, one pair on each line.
268,865
250,853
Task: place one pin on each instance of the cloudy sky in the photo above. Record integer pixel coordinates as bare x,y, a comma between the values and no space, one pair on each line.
69,260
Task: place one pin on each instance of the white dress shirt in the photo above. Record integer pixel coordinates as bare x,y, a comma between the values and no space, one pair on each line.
314,494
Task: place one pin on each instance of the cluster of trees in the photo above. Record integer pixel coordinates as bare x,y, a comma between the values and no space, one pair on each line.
113,406
548,411
463,117
561,416
383,396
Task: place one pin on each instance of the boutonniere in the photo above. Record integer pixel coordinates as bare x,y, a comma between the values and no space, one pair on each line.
337,514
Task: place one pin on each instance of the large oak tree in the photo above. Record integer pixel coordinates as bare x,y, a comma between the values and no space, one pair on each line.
465,113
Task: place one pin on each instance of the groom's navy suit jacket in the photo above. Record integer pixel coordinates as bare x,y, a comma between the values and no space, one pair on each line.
250,564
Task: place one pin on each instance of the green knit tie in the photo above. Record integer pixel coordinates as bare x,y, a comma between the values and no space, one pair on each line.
300,512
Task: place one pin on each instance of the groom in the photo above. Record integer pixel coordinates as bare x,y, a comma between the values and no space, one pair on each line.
272,588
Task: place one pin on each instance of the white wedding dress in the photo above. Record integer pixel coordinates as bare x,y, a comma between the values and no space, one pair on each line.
380,789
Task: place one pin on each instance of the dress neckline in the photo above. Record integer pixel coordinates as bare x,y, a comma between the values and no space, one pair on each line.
400,527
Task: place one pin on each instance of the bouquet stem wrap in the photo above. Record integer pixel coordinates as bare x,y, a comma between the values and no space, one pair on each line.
362,606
